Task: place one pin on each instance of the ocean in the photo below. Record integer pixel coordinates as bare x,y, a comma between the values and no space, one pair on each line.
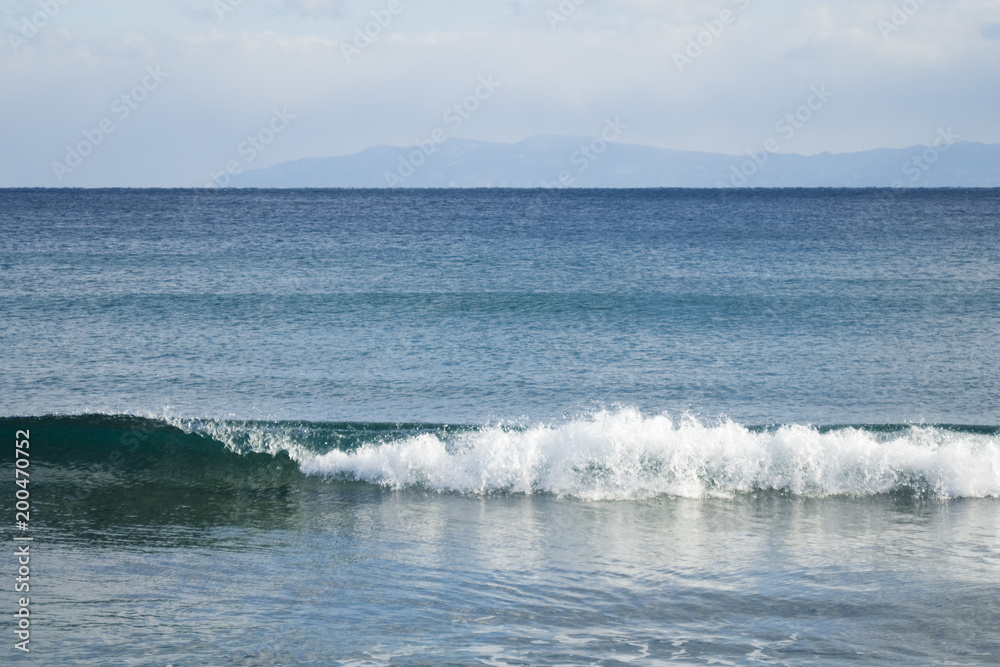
501,427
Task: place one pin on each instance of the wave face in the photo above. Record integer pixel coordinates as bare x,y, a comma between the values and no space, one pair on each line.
608,455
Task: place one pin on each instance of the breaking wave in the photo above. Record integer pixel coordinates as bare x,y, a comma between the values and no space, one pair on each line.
625,455
608,455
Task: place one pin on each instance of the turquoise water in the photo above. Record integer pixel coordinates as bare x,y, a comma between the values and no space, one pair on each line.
506,427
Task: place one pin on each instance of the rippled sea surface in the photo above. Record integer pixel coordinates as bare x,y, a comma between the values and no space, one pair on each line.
505,427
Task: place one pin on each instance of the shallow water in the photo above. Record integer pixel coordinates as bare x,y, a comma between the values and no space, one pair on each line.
355,575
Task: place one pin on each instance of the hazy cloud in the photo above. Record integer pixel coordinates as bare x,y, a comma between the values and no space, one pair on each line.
608,58
333,8
991,31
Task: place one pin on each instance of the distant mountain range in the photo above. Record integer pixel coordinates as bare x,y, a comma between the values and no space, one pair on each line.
595,163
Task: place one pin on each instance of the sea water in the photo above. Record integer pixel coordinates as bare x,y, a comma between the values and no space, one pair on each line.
505,427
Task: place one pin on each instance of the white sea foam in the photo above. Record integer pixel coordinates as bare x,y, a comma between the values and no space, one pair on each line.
625,455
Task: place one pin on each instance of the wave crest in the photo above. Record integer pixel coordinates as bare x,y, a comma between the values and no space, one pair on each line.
625,455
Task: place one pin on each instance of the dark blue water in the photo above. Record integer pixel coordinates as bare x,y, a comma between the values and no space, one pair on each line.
506,427
796,306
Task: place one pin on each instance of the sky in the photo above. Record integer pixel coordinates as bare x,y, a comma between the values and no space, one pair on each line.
166,93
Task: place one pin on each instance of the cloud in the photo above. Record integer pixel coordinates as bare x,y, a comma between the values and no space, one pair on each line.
991,31
330,8
610,58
